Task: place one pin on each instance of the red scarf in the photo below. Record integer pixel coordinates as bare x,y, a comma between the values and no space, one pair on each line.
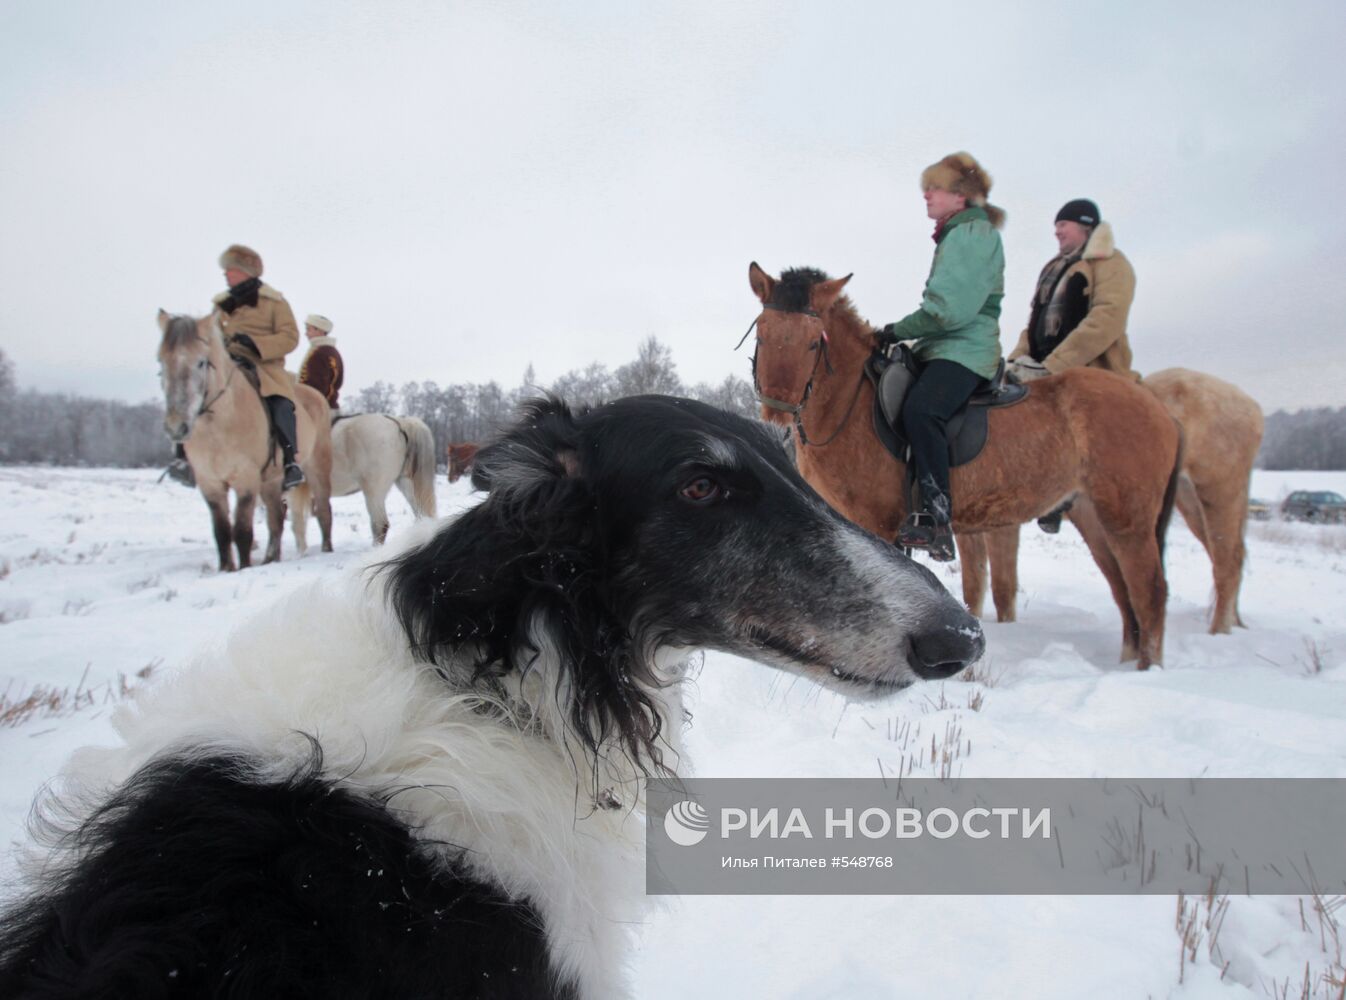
939,226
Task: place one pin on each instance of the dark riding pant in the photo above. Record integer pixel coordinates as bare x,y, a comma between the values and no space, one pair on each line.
938,393
282,415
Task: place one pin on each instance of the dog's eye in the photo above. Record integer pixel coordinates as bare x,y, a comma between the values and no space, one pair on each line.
702,489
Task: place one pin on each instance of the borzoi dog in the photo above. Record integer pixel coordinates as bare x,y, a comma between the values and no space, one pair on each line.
440,796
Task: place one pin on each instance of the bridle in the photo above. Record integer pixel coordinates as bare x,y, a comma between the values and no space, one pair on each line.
821,356
207,403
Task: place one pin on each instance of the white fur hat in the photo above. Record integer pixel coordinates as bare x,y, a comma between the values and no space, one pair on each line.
321,322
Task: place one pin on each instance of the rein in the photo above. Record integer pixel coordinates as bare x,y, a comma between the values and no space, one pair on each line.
796,410
206,404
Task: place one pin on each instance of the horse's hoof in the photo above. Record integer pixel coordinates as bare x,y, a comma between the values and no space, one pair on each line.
327,547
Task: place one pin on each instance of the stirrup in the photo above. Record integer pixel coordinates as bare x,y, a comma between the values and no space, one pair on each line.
922,531
294,476
918,530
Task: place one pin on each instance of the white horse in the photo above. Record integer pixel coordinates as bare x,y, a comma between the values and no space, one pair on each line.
373,451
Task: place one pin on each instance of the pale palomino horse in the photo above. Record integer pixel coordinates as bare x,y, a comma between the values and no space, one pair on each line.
372,452
1223,430
215,412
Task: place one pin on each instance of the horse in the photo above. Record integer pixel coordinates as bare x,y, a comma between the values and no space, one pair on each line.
1222,428
461,457
217,414
373,451
1085,435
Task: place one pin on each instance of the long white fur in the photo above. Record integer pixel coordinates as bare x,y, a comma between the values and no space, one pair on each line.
507,785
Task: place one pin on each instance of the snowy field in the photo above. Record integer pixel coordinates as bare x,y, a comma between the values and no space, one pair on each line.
107,581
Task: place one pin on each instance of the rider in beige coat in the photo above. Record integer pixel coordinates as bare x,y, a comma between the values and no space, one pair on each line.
258,326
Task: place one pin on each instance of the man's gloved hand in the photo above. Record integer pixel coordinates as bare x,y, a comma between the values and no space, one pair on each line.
883,335
245,342
1025,369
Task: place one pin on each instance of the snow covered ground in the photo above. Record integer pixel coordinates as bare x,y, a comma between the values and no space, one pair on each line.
106,576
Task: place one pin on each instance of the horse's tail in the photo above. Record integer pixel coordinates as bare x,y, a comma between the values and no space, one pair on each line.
1170,493
420,465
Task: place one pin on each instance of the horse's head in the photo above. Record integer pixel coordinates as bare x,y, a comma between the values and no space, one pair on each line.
461,457
791,336
184,370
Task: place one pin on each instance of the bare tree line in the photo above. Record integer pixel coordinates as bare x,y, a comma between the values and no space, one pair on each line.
1308,439
65,429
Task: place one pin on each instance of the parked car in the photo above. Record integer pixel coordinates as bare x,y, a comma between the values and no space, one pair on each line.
1259,510
1314,505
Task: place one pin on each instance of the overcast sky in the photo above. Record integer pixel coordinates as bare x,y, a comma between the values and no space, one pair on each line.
466,189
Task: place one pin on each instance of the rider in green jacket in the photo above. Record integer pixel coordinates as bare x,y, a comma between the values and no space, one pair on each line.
956,334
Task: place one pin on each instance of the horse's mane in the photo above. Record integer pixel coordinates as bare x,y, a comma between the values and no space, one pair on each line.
791,294
181,330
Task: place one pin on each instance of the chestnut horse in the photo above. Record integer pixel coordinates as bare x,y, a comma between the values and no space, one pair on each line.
1222,430
217,415
1085,434
460,456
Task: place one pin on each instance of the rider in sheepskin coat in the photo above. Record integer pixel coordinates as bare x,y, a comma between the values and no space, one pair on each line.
1079,318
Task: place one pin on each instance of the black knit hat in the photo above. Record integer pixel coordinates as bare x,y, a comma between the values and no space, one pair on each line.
1081,210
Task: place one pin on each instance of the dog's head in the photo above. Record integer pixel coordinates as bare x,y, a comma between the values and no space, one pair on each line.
653,523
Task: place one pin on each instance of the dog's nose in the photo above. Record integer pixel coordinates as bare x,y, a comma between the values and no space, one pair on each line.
947,648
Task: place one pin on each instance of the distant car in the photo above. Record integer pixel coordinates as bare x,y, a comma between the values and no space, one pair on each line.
1314,505
1259,510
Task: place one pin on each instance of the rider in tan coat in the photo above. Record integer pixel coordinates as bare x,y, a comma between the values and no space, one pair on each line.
1080,307
259,327
1079,311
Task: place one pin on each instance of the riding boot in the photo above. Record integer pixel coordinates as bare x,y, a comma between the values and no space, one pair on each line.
180,470
1051,523
929,528
282,415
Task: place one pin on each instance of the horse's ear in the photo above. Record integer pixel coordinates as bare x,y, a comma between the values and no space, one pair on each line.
762,283
824,293
163,321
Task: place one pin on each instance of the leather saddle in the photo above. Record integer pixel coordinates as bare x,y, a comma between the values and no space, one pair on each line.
893,375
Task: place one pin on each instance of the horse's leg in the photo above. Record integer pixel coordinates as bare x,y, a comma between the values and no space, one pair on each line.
244,506
378,514
1085,519
1143,568
1226,522
218,502
322,506
1003,551
274,501
972,568
298,502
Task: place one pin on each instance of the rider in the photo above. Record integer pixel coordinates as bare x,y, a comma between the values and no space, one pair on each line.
259,326
322,367
956,333
1079,309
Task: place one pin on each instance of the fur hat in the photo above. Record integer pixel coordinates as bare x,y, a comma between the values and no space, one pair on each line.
321,322
960,173
246,259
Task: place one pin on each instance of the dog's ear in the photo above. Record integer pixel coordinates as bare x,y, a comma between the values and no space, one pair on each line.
530,563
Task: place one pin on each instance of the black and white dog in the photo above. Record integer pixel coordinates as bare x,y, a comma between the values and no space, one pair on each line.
423,780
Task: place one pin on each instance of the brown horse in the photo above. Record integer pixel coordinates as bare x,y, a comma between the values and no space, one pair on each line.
215,412
1085,434
461,456
1222,429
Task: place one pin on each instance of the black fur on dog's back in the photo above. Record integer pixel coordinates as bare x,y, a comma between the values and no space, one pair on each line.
200,879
